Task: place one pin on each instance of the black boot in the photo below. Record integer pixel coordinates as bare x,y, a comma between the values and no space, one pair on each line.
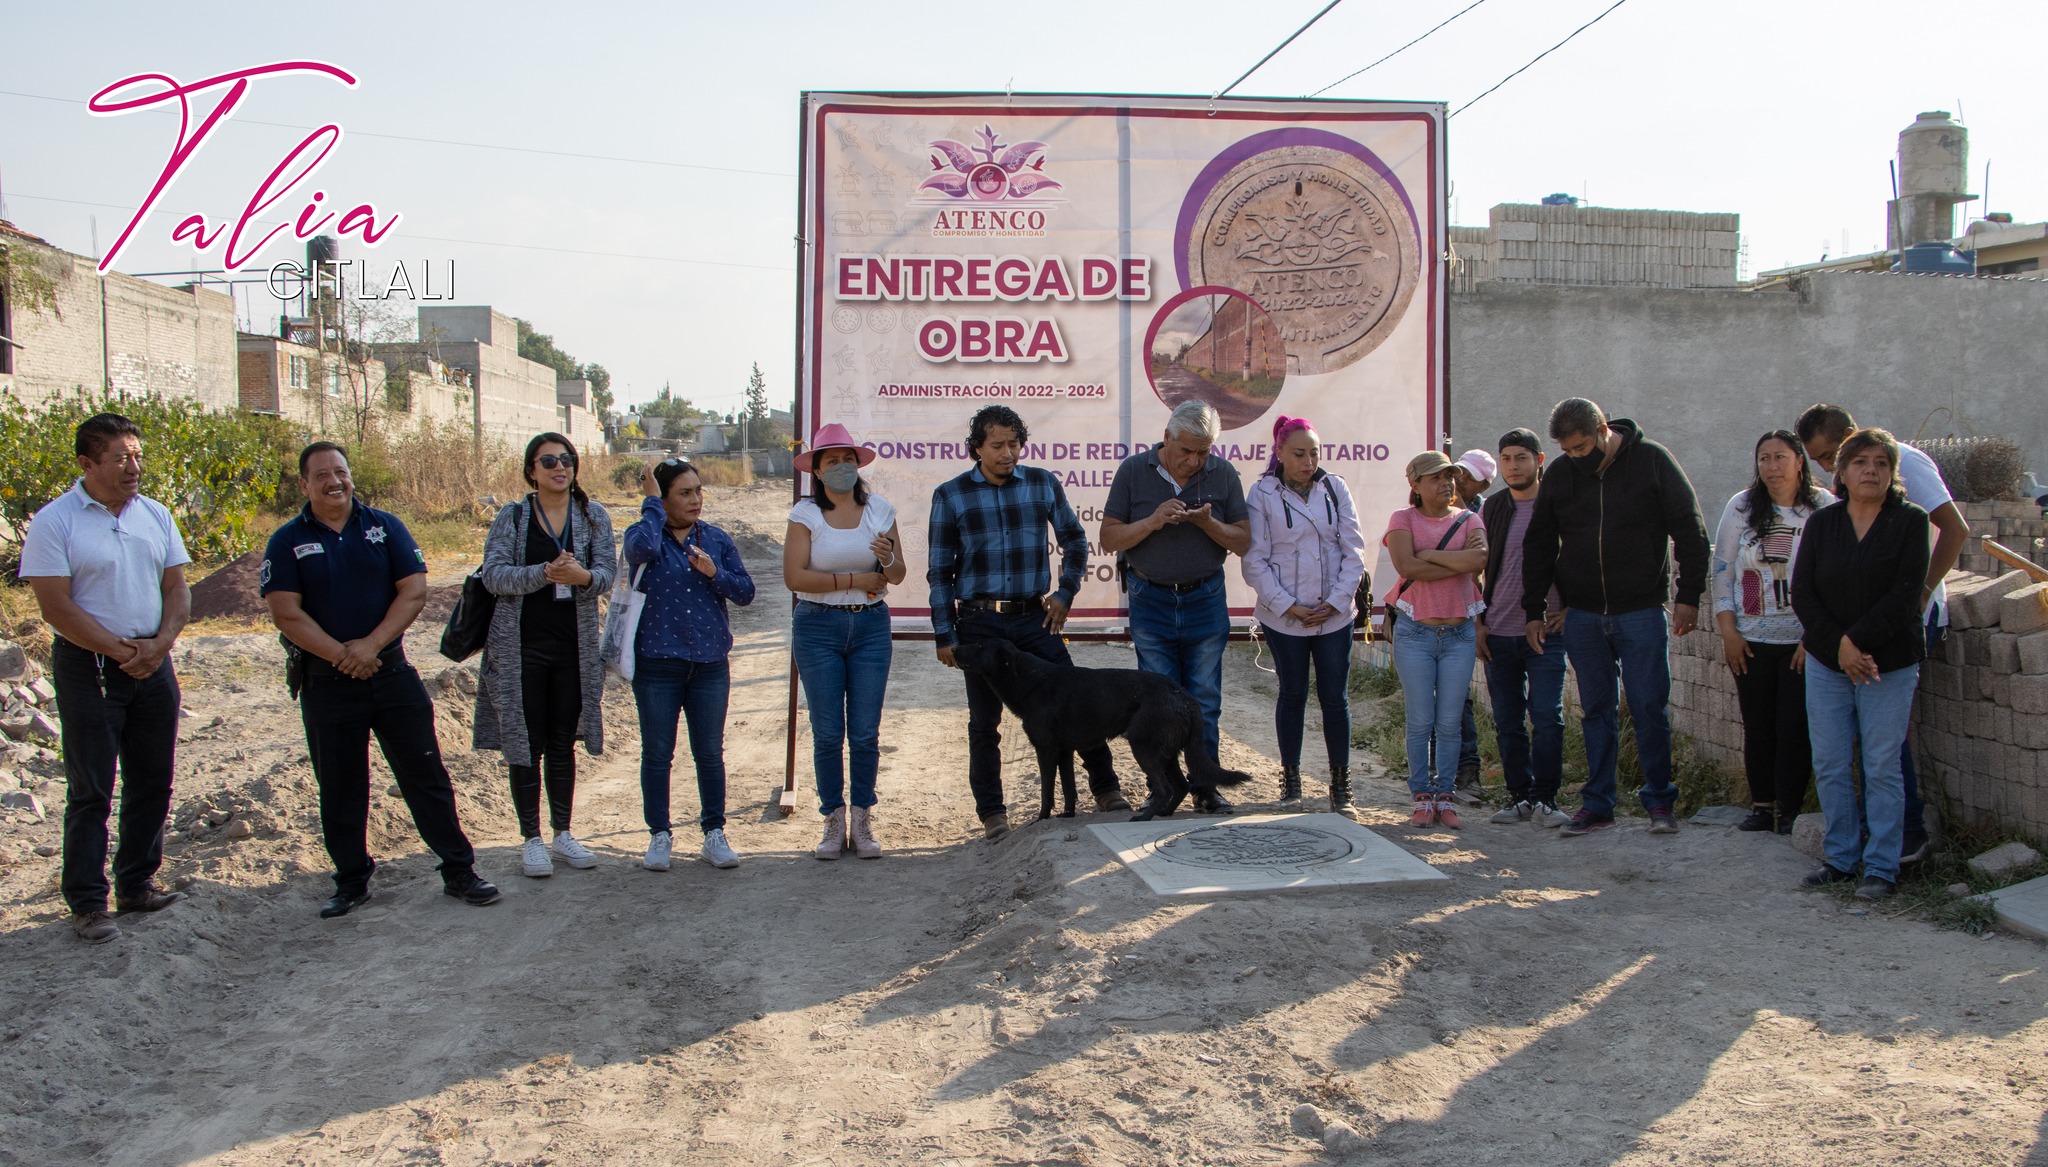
1290,784
1340,790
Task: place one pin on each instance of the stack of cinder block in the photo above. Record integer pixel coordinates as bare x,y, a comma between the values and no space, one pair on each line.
1982,717
2018,524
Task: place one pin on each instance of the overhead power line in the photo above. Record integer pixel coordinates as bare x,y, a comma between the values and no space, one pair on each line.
1397,52
466,145
1540,56
444,239
1276,48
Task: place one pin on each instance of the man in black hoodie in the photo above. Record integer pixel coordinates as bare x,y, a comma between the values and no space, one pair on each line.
1607,517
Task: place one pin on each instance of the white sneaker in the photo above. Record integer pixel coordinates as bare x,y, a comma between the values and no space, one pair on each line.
575,854
1514,814
1549,816
657,853
534,857
718,852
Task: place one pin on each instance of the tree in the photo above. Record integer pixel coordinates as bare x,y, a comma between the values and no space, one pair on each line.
600,390
540,347
752,425
667,405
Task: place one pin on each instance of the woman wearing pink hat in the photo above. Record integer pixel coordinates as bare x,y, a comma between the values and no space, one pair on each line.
839,557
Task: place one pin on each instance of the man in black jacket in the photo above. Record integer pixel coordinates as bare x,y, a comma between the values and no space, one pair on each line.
1607,517
1524,683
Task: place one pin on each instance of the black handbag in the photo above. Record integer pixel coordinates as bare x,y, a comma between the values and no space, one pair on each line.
469,625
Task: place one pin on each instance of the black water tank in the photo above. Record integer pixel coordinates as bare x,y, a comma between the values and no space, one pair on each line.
322,249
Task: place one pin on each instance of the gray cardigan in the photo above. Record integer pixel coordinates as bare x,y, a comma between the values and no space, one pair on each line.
500,706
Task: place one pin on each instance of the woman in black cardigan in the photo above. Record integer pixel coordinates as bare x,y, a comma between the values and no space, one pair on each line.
1856,589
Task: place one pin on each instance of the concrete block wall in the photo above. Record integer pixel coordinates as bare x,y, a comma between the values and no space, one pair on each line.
1705,371
1980,722
1703,696
1525,243
150,339
582,428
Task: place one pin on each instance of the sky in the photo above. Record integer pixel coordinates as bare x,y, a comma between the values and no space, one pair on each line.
682,273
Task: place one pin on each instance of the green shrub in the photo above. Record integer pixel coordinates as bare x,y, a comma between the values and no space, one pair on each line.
215,471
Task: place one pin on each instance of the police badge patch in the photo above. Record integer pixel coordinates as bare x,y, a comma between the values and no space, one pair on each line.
374,534
263,575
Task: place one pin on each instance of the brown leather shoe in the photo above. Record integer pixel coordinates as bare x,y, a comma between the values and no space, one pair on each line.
996,826
94,927
148,898
1111,799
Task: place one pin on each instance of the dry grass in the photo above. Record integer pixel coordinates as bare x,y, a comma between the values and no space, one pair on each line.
724,471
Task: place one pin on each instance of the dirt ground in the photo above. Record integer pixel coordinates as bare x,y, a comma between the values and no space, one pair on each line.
1618,999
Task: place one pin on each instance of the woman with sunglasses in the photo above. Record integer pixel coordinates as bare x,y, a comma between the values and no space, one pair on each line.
839,557
682,650
548,558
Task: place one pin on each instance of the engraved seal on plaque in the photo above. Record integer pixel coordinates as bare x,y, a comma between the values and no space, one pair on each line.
1321,240
1256,846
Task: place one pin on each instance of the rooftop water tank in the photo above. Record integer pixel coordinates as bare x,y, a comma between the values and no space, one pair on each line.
1938,258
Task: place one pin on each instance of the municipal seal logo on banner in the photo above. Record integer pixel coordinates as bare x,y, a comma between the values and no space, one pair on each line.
995,188
1319,239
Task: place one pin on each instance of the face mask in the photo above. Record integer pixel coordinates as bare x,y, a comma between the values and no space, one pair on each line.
840,476
1590,463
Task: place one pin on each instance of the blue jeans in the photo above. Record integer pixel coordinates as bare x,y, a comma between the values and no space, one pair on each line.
1331,655
698,691
1626,651
843,660
1838,711
1435,663
1525,683
1181,635
1468,740
1916,816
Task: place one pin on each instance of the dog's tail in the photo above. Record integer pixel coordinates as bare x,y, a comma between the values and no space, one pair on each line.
1203,772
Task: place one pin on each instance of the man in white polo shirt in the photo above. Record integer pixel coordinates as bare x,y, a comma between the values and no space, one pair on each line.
108,569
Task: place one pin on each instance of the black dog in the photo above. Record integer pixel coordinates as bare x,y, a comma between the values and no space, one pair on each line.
1065,709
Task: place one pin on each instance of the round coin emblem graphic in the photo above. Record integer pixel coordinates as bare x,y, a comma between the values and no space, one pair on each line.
1320,239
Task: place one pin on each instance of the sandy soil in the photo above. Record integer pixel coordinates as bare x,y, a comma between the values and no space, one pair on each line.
1619,999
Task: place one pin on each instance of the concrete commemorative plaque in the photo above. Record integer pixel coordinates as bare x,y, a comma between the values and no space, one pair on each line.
1248,853
1321,240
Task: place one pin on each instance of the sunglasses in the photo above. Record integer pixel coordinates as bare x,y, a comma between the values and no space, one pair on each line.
557,461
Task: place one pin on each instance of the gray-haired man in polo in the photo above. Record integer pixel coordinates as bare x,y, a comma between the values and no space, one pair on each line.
1175,513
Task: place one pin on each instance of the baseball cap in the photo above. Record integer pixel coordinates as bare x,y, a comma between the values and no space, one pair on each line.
1480,464
1523,437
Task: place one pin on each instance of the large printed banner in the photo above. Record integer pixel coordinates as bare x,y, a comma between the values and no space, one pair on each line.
1093,262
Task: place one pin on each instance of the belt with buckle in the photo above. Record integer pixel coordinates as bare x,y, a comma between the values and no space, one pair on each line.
1003,607
1176,588
840,607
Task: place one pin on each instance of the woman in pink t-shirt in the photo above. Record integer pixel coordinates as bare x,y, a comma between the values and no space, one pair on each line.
1438,550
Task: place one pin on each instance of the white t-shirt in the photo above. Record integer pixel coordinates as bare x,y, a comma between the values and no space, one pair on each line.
116,563
1926,490
833,549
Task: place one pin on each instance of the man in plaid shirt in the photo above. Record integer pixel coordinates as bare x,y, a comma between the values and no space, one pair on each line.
989,572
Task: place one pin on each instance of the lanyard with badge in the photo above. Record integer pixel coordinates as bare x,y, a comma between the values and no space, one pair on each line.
540,514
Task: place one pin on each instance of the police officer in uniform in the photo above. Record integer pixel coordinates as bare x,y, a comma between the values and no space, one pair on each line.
343,581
